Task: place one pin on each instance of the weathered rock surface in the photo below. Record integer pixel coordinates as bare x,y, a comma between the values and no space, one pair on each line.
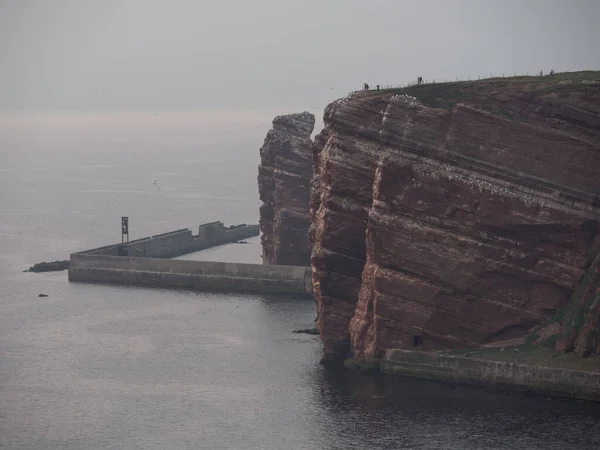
576,328
580,327
452,215
283,182
52,266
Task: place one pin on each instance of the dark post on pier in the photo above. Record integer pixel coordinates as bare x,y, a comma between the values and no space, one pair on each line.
124,229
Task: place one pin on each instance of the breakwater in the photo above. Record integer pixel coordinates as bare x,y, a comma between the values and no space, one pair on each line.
146,262
199,275
558,381
178,242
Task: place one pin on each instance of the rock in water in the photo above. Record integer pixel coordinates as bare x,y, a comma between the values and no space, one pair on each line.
42,295
283,183
311,331
53,266
452,215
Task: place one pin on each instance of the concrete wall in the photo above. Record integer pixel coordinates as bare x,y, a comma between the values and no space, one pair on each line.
483,372
179,242
201,275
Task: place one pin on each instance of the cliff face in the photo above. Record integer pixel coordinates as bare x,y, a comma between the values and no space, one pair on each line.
283,183
576,328
452,215
580,327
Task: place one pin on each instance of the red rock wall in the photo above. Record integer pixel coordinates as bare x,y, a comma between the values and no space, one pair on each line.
460,213
283,182
581,327
576,328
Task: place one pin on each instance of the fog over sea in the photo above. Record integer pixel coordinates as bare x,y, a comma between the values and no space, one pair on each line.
108,367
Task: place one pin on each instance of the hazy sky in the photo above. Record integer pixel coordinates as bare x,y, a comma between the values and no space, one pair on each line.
182,54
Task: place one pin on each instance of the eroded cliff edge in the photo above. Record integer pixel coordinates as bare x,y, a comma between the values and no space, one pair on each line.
284,178
576,327
453,215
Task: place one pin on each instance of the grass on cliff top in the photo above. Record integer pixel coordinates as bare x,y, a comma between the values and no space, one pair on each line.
447,95
534,355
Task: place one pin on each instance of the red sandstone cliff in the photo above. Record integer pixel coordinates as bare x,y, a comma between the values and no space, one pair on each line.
576,328
283,183
453,215
580,327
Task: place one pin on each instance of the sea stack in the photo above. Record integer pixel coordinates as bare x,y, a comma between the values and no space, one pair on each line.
284,178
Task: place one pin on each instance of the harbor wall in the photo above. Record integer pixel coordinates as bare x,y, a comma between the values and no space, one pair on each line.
199,275
178,242
486,372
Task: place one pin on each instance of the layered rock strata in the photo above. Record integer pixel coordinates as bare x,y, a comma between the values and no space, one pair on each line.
580,325
452,215
284,178
576,328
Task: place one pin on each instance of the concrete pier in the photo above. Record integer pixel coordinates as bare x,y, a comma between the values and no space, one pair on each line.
199,275
178,242
558,381
146,262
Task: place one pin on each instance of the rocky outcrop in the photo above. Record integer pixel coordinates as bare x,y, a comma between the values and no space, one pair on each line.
452,215
284,178
576,328
580,327
52,266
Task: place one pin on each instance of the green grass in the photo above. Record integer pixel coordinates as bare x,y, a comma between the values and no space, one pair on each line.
448,94
550,342
577,76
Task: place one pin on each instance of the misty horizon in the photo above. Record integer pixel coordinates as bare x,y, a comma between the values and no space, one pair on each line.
267,54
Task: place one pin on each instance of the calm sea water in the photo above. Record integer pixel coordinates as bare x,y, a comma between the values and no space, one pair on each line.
103,367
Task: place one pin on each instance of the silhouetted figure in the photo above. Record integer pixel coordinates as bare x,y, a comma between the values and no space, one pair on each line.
552,73
420,80
377,87
541,73
366,86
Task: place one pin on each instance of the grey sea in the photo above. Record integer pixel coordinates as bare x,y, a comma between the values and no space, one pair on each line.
107,367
